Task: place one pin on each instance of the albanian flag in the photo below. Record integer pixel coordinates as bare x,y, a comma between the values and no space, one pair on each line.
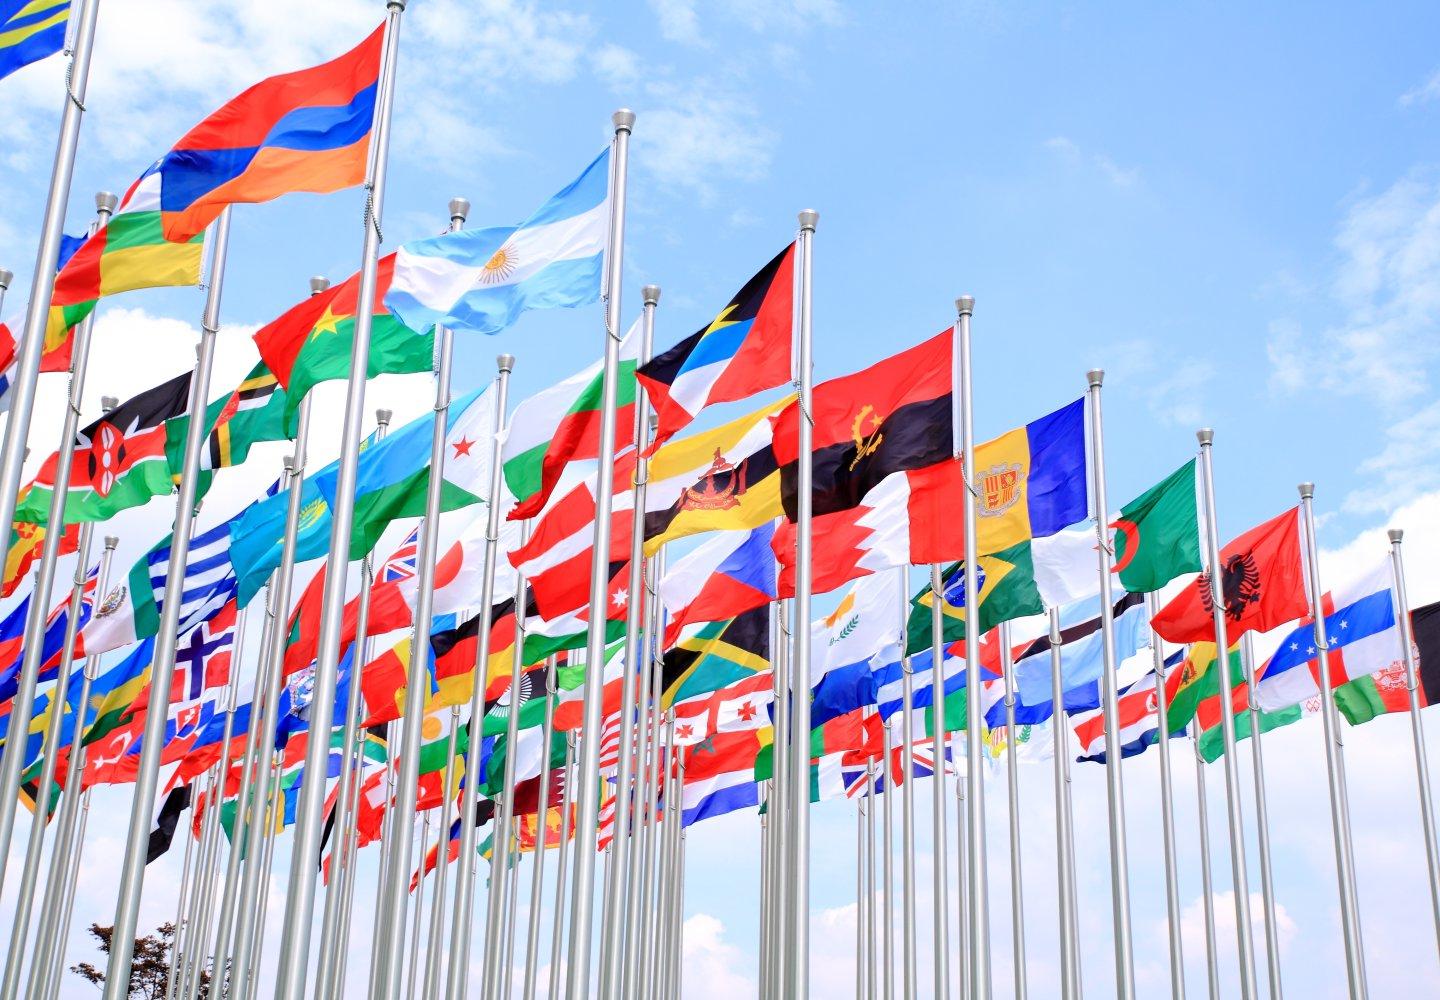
1262,583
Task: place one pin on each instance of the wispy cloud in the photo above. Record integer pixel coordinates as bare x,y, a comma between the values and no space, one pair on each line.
1424,93
1070,152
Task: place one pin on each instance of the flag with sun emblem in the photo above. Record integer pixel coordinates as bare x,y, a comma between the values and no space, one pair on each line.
481,280
313,341
118,462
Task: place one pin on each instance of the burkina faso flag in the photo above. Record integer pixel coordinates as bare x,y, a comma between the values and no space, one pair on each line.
313,341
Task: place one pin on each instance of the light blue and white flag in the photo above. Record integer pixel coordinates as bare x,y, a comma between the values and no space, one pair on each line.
481,280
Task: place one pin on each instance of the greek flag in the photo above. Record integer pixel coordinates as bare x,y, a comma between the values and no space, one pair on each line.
209,577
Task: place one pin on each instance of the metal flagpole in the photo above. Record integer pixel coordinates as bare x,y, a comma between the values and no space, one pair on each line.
537,881
587,798
1227,722
1212,960
1070,862
887,848
65,844
780,664
23,702
30,345
498,915
619,903
767,805
979,897
963,882
1262,822
1334,760
651,833
798,934
939,887
181,901
1069,980
396,889
192,925
1417,730
507,980
649,793
436,944
1012,774
863,957
872,978
162,670
630,954
387,828
300,897
1114,778
907,829
272,804
655,974
458,969
67,909
412,961
557,933
6,277
347,905
1167,808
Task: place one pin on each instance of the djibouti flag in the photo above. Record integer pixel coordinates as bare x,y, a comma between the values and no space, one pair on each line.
481,280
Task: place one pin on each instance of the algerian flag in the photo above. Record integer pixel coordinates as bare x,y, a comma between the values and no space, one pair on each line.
394,474
1157,535
481,280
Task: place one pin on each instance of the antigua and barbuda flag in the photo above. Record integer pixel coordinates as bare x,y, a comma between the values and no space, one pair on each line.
481,280
745,349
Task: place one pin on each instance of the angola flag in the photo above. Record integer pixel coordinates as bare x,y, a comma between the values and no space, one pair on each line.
893,416
717,654
1262,583
745,349
313,341
1386,690
119,460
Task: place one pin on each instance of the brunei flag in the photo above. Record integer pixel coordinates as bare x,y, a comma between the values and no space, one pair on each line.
119,461
745,349
302,131
716,655
893,416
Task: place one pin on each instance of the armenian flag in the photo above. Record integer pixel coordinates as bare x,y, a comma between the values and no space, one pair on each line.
302,131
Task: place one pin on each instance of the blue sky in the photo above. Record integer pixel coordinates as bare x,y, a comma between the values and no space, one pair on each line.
1236,212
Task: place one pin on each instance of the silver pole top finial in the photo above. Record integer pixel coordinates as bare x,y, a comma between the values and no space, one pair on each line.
809,219
108,403
624,120
1396,535
106,202
318,284
1307,491
651,295
459,209
382,416
6,276
1096,377
111,541
505,362
1206,436
965,305
289,463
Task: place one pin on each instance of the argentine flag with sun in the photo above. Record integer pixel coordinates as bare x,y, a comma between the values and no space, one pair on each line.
481,280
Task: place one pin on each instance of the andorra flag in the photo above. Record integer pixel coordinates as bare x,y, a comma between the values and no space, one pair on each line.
302,131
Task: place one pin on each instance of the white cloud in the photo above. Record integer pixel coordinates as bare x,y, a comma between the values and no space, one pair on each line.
1192,923
711,966
618,66
1424,93
696,134
1070,153
678,20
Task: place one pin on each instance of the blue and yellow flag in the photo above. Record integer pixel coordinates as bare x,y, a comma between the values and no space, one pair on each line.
30,30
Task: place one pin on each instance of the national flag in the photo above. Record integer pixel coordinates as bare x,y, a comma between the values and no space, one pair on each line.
569,700
202,659
128,253
30,30
1157,535
118,461
716,655
1211,725
720,776
26,543
527,833
481,280
1136,719
435,732
726,576
561,425
893,416
1262,584
719,480
314,340
131,610
302,131
1081,653
745,349
862,630
1362,632
739,707
393,476
1007,592
52,641
1387,689
847,545
115,691
254,411
889,679
167,821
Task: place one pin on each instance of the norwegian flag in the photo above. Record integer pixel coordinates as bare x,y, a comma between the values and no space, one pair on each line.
403,563
202,658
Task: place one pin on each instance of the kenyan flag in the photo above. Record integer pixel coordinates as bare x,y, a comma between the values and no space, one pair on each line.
1157,535
314,340
1385,690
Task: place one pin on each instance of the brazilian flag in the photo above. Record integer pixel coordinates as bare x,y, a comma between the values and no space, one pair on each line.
1007,591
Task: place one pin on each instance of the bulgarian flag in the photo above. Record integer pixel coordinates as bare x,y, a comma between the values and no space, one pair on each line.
128,253
314,340
561,425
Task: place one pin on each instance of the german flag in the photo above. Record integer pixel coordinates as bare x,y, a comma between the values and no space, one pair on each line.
891,417
720,653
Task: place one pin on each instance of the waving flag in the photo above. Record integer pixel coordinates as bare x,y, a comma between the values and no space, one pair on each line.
30,30
302,131
745,349
730,574
202,659
481,280
1386,690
